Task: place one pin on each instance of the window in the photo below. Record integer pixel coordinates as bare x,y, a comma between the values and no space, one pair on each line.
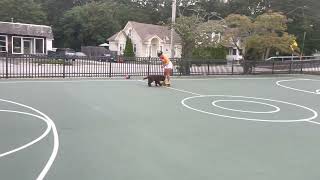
130,32
161,48
27,46
176,50
135,48
240,52
39,46
234,52
3,43
16,45
122,46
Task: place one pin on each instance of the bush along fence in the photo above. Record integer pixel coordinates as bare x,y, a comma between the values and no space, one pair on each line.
43,66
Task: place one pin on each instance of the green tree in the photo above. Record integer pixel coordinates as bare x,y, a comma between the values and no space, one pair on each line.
195,32
303,17
271,31
261,36
128,51
87,25
218,52
186,27
93,23
24,11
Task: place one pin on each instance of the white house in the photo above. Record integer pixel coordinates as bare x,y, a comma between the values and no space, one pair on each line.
147,40
234,53
19,38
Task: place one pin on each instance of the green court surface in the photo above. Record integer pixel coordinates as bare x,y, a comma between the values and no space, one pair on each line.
224,128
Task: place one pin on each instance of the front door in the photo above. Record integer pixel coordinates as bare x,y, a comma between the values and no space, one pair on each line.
154,50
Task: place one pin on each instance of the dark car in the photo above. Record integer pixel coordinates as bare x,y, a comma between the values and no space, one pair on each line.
63,53
107,58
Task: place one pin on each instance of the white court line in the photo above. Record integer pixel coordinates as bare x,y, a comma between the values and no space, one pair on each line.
55,138
181,90
315,114
274,121
126,80
296,89
277,109
66,81
32,142
205,79
314,122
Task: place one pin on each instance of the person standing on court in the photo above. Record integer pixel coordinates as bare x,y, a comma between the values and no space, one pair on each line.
167,66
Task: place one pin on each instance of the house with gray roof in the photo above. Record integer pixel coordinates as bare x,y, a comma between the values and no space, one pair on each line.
147,40
19,38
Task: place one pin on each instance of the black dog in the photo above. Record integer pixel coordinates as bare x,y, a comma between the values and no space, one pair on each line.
155,78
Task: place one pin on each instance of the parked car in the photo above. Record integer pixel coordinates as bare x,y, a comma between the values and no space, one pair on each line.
107,58
80,54
65,52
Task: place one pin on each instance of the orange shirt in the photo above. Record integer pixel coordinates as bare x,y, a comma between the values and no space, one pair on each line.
165,60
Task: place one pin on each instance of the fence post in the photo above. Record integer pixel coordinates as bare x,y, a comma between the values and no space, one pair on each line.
232,66
180,67
272,67
7,67
149,59
290,67
64,68
208,63
110,64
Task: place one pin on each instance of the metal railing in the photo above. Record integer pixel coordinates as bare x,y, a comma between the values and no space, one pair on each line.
43,66
290,58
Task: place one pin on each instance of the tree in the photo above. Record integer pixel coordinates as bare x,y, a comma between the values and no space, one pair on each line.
260,36
186,27
197,40
303,15
128,51
24,11
195,32
270,29
218,52
93,23
87,25
240,27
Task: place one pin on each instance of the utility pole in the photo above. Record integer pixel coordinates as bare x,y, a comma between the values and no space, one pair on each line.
173,21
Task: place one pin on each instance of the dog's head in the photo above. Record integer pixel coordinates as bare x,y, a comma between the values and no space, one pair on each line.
162,78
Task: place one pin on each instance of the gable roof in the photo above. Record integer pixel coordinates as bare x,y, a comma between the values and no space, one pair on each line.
26,29
113,37
146,31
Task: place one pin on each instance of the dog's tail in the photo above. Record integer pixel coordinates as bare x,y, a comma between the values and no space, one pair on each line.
145,78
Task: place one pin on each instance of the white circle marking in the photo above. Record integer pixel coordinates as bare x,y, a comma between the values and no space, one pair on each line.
296,89
277,109
55,137
32,142
315,114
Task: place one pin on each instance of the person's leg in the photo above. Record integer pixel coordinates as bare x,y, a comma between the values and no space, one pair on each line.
167,76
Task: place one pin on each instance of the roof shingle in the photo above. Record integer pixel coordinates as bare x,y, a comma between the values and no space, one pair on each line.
26,29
